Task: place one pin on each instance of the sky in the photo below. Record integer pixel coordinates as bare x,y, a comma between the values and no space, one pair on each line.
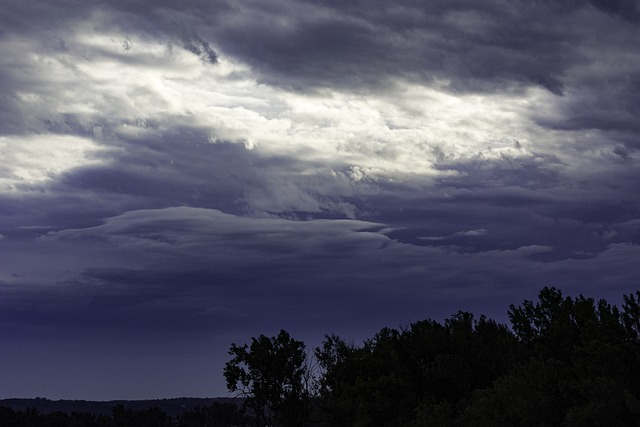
178,176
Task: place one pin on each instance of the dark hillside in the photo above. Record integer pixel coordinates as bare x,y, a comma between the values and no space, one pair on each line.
172,407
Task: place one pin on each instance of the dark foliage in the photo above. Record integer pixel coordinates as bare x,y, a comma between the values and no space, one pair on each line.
215,415
563,362
412,375
273,375
581,366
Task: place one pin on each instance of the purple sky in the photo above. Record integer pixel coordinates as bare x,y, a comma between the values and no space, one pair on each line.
177,176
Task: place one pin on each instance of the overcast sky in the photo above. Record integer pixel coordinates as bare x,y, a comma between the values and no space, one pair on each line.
177,176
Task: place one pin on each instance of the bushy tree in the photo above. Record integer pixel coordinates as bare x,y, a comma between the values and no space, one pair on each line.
404,377
631,317
580,369
274,376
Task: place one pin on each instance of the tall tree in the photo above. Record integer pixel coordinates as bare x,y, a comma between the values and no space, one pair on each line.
273,375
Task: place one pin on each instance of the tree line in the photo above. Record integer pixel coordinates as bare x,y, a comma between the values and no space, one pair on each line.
214,415
562,361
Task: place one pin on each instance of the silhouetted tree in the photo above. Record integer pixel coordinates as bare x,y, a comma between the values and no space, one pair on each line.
580,368
417,375
273,375
151,417
215,415
631,316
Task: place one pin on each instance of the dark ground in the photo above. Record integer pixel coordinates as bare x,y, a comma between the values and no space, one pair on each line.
172,407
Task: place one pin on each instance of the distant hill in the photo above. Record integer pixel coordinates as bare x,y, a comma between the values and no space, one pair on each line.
172,407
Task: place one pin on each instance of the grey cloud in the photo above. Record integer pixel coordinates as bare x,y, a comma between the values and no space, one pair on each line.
363,45
307,45
610,106
569,217
199,47
198,266
531,170
627,9
178,166
477,232
604,85
201,263
467,46
180,228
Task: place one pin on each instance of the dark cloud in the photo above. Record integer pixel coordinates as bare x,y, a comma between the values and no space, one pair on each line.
532,171
472,46
200,267
612,108
306,45
627,9
199,47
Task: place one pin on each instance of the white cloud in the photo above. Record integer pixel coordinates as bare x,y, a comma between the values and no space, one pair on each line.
36,159
181,238
114,84
473,233
468,233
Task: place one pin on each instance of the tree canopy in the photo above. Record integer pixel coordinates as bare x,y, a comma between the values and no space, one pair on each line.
562,361
272,374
